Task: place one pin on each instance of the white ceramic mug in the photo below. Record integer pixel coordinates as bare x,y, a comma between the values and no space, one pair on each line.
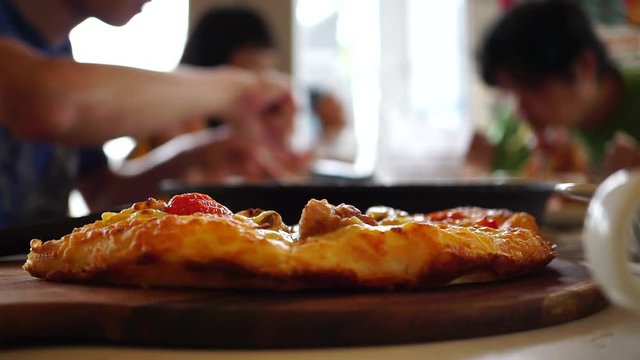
608,237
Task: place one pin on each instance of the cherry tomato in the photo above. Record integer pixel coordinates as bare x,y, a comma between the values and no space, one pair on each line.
488,223
191,203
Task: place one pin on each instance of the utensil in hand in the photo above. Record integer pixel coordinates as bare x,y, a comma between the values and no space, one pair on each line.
577,191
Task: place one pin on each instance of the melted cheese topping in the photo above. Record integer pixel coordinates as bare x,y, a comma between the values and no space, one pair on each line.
383,248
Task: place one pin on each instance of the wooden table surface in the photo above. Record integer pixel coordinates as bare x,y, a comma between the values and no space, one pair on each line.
37,311
610,334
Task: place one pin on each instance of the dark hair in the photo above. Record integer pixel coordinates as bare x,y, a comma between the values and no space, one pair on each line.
221,32
536,40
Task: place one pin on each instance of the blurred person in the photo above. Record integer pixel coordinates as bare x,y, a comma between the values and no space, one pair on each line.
547,56
230,36
55,114
238,37
511,147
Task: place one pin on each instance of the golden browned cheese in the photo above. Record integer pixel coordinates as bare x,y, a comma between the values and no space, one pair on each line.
340,248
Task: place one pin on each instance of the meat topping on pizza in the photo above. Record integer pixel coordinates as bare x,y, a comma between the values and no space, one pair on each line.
319,217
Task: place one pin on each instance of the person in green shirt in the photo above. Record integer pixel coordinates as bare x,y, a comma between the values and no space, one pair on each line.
548,58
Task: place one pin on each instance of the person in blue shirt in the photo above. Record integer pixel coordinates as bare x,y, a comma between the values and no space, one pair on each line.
55,113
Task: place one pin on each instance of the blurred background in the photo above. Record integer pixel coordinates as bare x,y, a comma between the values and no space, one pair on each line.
403,70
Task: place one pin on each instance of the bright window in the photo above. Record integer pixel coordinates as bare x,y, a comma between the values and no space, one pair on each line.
436,58
400,65
153,39
337,49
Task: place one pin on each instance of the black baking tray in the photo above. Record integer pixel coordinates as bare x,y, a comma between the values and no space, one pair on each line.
289,200
15,240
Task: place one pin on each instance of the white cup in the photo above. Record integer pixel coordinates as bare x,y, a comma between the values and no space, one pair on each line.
608,237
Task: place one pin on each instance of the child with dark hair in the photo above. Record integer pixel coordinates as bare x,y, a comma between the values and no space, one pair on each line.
548,58
538,40
231,36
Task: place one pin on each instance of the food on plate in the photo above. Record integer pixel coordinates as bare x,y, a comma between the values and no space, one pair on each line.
193,241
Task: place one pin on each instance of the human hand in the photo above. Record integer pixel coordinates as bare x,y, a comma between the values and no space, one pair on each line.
262,113
556,156
479,157
222,155
622,152
258,95
330,112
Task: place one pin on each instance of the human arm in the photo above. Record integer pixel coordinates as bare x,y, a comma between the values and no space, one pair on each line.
206,156
58,100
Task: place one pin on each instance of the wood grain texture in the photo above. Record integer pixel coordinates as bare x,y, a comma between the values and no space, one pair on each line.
35,311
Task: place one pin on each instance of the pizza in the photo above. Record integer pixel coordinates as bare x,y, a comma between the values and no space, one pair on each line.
193,241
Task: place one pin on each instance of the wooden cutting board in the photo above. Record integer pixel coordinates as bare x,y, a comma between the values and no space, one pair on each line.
35,311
